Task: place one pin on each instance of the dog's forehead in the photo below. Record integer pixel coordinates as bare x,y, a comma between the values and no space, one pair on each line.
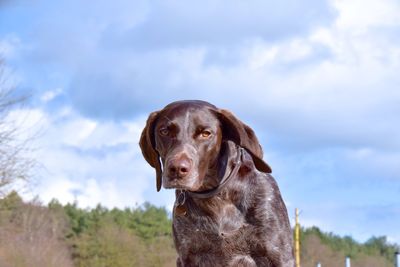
189,112
190,103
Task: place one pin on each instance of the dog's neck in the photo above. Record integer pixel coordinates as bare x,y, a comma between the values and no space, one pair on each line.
233,156
222,164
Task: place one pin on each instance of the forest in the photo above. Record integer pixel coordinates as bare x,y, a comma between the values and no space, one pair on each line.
36,235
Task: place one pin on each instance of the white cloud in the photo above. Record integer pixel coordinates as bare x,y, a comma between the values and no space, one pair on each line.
83,160
61,189
359,15
50,95
28,124
86,193
264,55
78,130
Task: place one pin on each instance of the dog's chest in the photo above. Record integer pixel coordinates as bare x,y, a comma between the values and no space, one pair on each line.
229,220
223,230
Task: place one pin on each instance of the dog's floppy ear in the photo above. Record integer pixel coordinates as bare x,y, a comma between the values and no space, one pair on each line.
235,130
147,144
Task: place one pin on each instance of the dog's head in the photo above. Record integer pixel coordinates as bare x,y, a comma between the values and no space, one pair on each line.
183,142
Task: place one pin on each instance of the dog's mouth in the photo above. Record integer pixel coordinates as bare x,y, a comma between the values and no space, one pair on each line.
181,170
190,183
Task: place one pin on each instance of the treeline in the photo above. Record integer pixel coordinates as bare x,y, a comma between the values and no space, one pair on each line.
331,250
35,235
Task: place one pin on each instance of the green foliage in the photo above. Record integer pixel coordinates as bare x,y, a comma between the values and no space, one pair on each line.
375,246
8,206
149,222
11,201
380,246
130,237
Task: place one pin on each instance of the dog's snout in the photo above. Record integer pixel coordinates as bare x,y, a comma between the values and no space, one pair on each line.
179,167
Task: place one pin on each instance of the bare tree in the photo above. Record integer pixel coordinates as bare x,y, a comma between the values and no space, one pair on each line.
15,166
32,235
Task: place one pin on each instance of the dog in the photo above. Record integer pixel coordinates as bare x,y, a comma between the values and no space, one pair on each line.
228,209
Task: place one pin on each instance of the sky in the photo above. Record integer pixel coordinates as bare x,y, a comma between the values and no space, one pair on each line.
318,81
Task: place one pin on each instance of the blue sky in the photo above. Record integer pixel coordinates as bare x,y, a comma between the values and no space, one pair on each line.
317,80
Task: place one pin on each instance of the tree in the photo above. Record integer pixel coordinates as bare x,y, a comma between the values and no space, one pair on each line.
14,164
32,235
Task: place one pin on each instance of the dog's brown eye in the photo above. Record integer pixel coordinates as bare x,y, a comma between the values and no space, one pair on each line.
164,131
205,134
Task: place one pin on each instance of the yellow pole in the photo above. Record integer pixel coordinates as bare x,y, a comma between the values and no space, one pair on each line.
297,239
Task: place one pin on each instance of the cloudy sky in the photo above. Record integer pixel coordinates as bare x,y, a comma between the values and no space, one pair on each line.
317,80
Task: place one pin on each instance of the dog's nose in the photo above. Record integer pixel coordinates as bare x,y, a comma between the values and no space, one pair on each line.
179,168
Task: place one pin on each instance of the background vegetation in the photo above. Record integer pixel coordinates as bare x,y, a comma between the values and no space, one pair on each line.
34,235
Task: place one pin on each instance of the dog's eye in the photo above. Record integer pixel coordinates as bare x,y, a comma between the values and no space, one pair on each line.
164,131
205,134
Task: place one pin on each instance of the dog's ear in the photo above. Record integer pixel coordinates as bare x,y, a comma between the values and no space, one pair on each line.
235,130
147,144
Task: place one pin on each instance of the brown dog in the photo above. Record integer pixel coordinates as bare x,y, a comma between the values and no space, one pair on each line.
228,209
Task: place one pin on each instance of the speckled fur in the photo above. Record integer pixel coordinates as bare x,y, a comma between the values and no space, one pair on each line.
246,223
